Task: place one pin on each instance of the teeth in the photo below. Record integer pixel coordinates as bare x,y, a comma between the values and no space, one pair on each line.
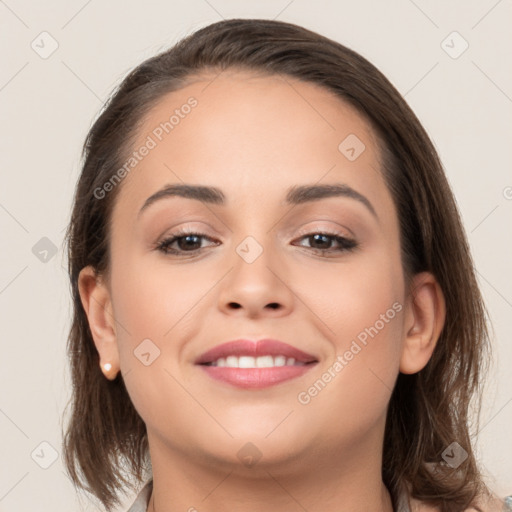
279,360
261,362
255,362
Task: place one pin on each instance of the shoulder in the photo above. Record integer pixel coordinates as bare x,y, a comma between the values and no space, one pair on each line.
486,504
492,503
420,506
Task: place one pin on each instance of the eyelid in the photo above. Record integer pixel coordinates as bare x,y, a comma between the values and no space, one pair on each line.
305,228
193,226
187,229
310,226
347,244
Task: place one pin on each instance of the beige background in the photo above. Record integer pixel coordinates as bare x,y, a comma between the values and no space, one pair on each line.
48,104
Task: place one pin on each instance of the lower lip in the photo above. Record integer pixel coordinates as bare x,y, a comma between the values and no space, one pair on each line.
256,377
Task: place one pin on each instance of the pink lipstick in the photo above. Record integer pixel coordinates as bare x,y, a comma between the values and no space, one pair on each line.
255,364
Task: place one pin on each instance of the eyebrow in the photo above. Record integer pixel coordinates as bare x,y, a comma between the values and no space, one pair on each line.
298,194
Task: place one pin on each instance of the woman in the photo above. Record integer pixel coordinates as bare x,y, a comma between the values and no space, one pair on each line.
275,303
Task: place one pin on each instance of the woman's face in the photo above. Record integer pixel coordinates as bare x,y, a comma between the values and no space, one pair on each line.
263,270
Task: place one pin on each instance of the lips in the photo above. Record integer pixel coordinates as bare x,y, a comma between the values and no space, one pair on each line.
254,349
292,363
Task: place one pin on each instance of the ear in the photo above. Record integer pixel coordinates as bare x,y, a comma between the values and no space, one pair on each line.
424,319
97,304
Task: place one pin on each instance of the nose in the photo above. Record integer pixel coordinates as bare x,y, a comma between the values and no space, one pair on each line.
256,287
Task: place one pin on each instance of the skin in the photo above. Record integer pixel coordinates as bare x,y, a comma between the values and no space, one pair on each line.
253,137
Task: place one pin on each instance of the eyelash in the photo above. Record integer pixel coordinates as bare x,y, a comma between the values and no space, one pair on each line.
346,244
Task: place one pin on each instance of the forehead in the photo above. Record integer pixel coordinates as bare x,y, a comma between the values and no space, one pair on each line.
252,136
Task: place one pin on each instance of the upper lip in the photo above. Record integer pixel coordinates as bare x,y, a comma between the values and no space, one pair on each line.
245,347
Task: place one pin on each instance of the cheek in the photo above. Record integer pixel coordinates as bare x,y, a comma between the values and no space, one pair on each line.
350,398
150,299
152,303
369,329
357,299
369,310
365,317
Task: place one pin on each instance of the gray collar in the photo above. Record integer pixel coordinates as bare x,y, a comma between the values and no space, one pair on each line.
142,501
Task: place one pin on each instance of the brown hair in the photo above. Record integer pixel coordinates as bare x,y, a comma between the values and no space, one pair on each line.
428,410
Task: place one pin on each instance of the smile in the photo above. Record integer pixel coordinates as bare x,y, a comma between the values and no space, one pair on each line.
256,362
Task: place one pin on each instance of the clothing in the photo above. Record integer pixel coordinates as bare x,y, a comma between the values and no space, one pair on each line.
142,501
402,502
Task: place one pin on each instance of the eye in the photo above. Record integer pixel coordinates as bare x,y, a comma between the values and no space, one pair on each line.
187,242
322,242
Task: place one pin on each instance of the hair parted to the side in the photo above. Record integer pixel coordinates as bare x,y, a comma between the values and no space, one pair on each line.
428,410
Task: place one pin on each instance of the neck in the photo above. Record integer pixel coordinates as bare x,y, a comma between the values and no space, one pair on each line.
320,484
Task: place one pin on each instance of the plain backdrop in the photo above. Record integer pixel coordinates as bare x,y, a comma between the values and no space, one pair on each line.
49,101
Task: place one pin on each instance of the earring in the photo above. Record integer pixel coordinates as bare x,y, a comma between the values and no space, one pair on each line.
107,367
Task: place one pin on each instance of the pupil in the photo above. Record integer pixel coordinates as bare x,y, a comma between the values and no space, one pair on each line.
188,242
316,237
